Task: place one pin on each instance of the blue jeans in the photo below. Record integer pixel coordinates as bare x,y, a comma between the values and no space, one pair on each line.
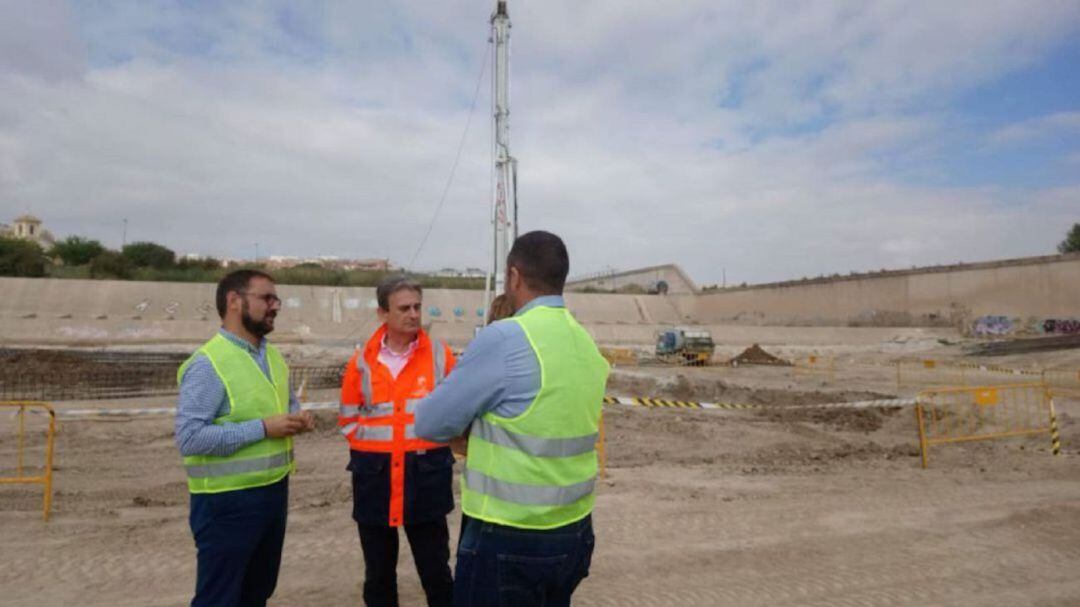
505,566
239,535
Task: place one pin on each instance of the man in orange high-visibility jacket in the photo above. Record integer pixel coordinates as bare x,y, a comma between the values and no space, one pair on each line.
398,480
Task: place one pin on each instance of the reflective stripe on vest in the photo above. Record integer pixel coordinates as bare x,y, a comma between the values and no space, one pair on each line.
534,445
251,395
532,495
368,411
367,432
365,377
537,470
440,361
365,369
382,431
228,468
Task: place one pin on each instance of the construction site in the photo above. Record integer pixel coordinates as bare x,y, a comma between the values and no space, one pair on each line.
902,437
819,454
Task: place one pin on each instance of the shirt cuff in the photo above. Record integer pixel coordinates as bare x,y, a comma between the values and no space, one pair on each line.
252,431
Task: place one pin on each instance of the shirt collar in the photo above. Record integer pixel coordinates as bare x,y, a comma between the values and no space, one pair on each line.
385,349
243,343
550,301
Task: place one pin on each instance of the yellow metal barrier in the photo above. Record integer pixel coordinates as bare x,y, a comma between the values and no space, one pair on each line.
816,364
45,478
929,372
620,356
1067,380
946,373
953,415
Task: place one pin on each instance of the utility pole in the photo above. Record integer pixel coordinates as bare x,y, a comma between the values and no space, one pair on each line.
504,205
123,237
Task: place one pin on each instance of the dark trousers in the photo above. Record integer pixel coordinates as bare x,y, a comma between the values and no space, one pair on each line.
430,543
238,535
499,565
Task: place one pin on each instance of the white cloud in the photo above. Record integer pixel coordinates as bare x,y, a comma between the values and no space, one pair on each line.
1036,128
759,136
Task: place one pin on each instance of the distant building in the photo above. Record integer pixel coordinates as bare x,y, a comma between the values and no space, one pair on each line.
456,273
278,262
28,227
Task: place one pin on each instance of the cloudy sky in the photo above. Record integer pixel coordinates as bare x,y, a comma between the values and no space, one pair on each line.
767,139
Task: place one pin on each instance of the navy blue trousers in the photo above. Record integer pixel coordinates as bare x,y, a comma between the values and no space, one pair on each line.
430,543
238,535
499,565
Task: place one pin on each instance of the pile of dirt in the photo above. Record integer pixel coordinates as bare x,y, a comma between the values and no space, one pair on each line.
707,389
45,363
39,357
755,355
35,374
852,420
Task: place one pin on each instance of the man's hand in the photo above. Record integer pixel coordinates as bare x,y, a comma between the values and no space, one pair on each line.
309,420
459,445
280,426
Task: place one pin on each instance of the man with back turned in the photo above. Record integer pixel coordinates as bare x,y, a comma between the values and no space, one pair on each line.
529,389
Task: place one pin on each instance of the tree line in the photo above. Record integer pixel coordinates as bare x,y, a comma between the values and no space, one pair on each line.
78,257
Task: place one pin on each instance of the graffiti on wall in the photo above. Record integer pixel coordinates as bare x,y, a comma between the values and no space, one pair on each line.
998,326
1068,326
992,326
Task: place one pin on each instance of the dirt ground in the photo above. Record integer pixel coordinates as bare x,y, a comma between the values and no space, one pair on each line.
778,506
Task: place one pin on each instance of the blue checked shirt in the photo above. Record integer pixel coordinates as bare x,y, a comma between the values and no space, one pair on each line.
203,399
498,372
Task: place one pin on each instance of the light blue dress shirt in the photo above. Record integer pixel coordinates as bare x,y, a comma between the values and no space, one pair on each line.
203,399
498,372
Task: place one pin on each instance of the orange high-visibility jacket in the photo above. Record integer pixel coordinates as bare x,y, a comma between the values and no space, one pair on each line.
377,411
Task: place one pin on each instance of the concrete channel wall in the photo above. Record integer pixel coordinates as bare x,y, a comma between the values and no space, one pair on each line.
41,310
941,296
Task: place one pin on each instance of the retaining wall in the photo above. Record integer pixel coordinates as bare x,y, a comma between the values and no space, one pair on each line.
39,310
1038,287
1040,294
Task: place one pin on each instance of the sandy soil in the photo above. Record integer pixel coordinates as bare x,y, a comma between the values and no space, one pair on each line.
781,506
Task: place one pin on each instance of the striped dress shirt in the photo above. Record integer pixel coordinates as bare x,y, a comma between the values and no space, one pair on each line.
203,399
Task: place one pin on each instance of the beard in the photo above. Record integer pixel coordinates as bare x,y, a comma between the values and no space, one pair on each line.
258,328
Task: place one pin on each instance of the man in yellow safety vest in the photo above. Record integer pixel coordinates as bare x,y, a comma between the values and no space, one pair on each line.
234,425
529,389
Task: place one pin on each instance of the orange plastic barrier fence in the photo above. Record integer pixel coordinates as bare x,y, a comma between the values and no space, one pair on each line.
45,478
953,415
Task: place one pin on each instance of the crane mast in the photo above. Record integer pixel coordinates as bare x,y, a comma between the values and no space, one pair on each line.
504,202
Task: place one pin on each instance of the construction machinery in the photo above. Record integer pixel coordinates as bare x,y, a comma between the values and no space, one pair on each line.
685,346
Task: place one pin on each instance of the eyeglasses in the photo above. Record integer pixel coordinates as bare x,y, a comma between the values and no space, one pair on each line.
269,298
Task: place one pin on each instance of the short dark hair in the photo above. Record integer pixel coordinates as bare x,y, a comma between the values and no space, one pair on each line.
541,259
392,284
235,282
